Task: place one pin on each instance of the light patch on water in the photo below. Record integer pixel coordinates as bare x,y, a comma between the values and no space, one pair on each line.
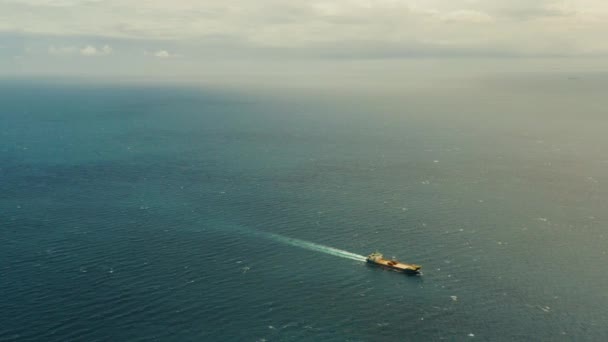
311,246
314,247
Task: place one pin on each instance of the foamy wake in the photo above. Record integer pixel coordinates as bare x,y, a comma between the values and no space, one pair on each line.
315,247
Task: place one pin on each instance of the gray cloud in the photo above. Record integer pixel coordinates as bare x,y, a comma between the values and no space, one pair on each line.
207,31
297,23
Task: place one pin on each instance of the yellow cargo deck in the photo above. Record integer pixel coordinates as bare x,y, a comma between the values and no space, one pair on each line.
377,258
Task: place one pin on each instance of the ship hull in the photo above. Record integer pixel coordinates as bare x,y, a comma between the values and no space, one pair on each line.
407,271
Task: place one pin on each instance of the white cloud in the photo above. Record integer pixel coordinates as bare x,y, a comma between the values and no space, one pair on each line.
87,50
162,54
91,50
62,50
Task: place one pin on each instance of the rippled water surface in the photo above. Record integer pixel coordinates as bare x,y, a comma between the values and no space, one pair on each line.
139,213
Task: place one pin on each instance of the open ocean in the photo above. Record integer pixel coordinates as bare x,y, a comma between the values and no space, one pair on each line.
174,213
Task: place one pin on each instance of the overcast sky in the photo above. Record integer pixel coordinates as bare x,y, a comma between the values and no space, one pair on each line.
185,36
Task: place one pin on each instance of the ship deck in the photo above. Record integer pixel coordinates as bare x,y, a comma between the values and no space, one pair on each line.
397,264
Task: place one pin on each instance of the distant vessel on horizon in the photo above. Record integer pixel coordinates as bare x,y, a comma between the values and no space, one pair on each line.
378,259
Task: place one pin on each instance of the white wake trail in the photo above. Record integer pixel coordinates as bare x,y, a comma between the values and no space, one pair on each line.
314,247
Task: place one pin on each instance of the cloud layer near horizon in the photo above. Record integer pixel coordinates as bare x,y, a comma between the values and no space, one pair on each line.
511,27
241,37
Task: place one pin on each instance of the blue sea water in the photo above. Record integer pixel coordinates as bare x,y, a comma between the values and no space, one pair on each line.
174,213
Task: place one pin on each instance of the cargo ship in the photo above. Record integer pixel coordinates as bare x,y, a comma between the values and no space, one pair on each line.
378,259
